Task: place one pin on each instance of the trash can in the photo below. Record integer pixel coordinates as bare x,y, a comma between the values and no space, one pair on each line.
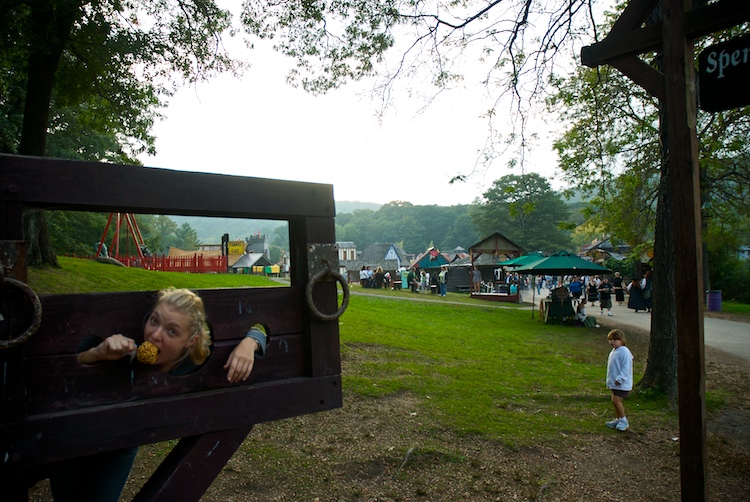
713,300
404,282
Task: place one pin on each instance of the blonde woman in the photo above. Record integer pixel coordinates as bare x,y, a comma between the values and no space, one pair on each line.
179,343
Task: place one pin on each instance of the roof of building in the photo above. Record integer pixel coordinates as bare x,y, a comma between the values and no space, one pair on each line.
432,258
390,256
484,259
376,252
497,245
248,260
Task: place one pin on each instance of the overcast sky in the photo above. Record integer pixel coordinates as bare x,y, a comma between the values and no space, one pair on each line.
260,126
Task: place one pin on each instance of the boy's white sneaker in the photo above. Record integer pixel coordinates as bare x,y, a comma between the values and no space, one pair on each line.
612,423
622,424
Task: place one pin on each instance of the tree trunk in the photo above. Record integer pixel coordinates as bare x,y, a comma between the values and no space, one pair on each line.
661,366
37,238
52,23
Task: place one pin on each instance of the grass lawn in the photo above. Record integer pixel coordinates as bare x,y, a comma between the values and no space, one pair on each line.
452,398
736,308
484,370
78,275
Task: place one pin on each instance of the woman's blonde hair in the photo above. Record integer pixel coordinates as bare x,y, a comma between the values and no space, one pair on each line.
190,304
616,334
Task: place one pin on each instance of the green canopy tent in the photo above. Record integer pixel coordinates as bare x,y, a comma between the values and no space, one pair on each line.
519,261
560,263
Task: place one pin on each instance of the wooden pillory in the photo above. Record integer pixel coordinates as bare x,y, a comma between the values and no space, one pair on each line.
674,87
53,408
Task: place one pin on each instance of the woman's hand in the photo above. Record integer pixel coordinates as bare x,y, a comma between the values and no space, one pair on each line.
112,348
241,360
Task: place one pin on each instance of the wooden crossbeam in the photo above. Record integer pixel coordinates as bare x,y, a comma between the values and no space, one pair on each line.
629,37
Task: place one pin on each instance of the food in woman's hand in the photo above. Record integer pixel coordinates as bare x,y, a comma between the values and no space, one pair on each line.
147,353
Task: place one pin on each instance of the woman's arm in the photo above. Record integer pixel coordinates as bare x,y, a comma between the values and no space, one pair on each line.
242,359
111,348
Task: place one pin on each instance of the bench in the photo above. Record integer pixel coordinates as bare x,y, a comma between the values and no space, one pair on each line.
53,408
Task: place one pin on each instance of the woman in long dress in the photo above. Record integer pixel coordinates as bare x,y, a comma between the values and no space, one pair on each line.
635,299
617,284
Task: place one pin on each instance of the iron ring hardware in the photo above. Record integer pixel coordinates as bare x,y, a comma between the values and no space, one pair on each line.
327,272
36,319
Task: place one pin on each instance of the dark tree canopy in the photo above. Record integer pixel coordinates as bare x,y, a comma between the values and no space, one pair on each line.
525,209
86,79
414,227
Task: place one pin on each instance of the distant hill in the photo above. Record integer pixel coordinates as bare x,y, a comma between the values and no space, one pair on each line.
210,230
348,206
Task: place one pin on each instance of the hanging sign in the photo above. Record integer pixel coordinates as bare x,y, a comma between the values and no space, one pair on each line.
236,247
724,75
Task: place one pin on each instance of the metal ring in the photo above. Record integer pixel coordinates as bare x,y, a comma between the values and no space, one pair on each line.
36,319
327,272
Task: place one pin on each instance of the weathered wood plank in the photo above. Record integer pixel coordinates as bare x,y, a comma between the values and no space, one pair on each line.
12,396
161,419
191,466
68,319
639,40
93,186
57,383
324,337
684,181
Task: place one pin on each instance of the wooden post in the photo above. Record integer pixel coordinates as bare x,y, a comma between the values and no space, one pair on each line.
192,466
681,24
680,103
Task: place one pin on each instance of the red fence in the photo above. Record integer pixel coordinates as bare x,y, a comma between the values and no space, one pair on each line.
195,264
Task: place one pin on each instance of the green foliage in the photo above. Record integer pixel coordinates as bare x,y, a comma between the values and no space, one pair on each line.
164,229
75,232
332,42
107,72
77,275
526,210
611,152
729,274
625,267
78,233
186,238
413,226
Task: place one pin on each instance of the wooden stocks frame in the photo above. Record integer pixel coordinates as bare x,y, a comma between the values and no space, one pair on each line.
53,408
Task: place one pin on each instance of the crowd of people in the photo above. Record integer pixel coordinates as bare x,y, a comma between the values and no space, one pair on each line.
588,290
376,279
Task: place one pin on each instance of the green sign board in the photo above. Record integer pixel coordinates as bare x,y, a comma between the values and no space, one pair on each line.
724,75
